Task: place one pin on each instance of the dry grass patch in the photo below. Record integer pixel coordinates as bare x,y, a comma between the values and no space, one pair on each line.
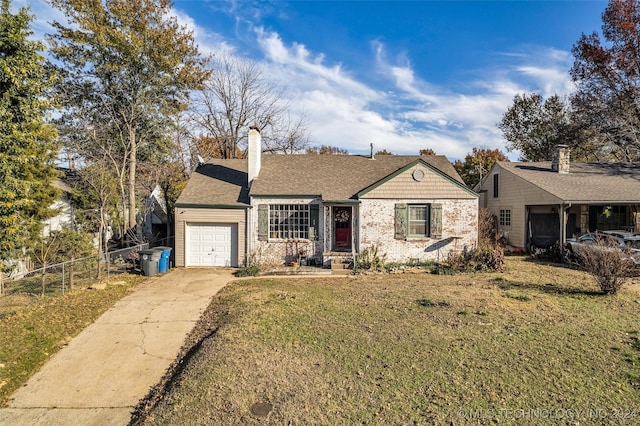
411,348
33,328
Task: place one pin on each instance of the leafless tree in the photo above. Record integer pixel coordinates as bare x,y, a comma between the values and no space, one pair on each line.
607,77
487,235
610,266
287,135
327,150
238,95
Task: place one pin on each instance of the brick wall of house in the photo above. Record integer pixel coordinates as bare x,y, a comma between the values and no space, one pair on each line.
459,229
275,252
375,218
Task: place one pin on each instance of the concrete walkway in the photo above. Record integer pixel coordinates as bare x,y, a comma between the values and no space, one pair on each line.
102,374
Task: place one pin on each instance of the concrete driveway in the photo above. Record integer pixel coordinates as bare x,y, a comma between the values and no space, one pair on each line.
102,374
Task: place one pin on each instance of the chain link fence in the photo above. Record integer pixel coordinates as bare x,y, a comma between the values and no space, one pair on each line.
59,278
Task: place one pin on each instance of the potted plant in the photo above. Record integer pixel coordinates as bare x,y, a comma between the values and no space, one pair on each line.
302,256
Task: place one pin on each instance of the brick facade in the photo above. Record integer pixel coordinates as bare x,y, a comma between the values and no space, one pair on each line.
459,229
373,222
276,252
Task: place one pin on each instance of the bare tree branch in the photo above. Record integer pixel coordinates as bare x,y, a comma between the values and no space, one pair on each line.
238,95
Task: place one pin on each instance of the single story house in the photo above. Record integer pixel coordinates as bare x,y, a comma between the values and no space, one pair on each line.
540,203
277,209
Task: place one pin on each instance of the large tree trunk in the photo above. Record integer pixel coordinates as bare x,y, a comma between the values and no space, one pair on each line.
132,178
125,216
43,279
102,241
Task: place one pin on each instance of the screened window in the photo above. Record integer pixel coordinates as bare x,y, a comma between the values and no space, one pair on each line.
613,217
496,191
419,220
289,221
505,217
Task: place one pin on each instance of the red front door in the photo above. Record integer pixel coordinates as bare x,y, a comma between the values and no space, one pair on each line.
342,228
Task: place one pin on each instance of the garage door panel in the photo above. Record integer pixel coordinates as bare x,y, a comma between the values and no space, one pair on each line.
212,245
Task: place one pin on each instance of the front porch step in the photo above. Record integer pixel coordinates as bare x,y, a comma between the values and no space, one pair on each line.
341,262
340,265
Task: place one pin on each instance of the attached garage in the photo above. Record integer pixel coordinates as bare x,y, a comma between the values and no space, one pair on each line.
211,216
209,244
210,237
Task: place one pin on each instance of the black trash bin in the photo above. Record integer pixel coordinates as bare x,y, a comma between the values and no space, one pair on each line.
149,260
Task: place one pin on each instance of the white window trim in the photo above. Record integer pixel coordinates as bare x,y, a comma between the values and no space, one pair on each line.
427,222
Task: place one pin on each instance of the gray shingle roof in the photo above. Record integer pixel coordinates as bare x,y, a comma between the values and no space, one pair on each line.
332,177
220,182
585,182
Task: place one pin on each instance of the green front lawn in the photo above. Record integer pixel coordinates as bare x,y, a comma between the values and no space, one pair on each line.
534,341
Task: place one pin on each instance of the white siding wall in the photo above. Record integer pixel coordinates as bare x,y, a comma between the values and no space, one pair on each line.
184,216
63,218
515,193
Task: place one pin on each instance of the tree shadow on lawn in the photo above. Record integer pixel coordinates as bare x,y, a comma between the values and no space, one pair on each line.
549,288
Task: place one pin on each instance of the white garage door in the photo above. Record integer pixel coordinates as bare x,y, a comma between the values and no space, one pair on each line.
212,244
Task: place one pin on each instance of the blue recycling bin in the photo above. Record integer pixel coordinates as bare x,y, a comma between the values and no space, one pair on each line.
163,263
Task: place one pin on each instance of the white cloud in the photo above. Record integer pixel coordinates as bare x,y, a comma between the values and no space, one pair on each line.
297,61
43,14
409,114
459,121
543,69
208,42
415,115
549,80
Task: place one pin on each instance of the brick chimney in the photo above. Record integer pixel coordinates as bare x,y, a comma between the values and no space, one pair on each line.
254,154
560,161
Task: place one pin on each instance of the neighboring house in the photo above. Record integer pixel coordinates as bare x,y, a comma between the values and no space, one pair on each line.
538,204
156,217
276,209
65,215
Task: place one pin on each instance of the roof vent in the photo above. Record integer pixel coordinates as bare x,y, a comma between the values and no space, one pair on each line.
371,157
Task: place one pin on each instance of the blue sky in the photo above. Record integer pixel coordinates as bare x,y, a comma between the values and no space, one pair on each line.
401,75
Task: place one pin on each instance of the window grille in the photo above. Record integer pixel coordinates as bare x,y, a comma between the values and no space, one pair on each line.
289,221
505,217
419,220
